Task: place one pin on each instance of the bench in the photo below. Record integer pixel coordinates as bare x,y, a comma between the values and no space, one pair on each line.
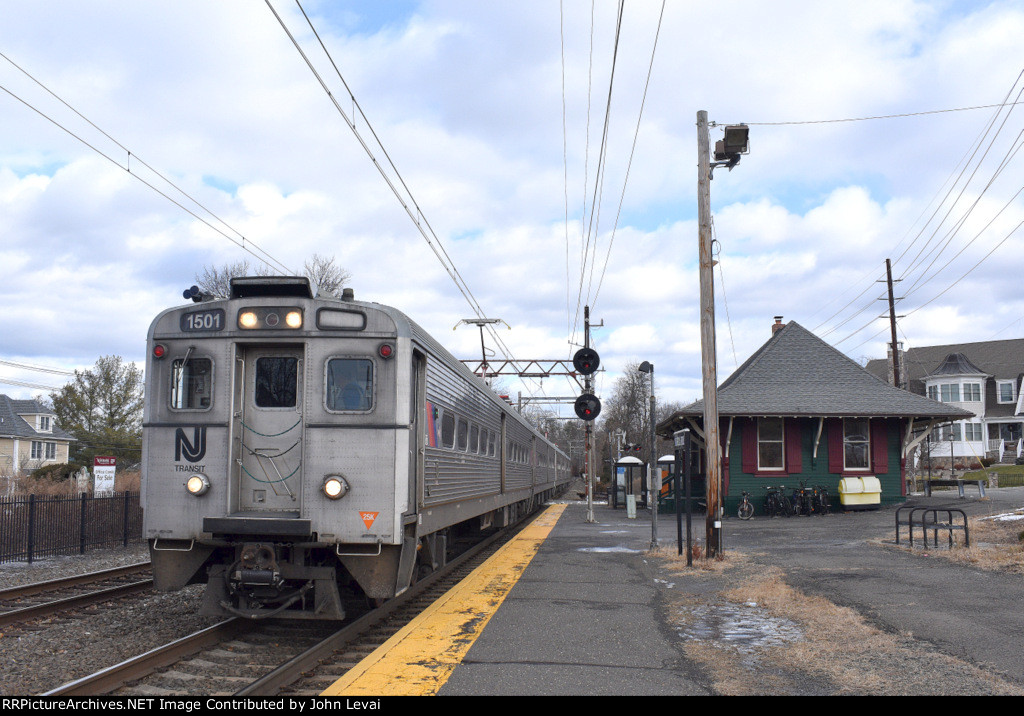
955,482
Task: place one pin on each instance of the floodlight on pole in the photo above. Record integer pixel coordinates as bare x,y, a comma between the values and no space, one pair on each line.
736,142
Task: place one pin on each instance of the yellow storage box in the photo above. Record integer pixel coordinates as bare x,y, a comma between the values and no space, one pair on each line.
860,493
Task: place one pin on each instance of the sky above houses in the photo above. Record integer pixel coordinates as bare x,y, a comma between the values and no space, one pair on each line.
143,141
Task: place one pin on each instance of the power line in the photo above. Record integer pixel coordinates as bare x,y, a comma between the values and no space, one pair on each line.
632,151
881,116
41,369
265,258
23,384
404,195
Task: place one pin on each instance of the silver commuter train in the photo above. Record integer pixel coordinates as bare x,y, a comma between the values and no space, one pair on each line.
297,450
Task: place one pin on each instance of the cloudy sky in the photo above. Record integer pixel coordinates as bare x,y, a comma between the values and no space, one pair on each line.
544,194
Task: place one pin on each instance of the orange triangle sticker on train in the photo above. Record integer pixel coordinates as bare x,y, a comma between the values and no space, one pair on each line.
368,518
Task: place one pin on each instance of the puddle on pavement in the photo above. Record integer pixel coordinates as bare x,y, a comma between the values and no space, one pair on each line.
747,627
626,550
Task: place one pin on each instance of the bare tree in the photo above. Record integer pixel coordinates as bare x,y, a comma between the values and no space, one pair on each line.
325,275
321,271
216,280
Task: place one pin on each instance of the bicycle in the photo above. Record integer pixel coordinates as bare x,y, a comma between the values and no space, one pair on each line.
746,510
823,502
803,500
772,501
785,502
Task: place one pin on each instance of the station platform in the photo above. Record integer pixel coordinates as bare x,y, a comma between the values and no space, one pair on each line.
567,608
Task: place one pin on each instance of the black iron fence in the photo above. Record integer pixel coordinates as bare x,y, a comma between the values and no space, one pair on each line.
44,525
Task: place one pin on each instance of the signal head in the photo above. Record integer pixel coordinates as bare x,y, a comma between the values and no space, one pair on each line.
586,361
587,407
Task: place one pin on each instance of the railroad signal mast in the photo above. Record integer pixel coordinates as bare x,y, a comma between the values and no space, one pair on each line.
588,406
585,362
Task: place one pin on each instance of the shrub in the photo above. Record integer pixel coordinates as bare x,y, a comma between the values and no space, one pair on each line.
56,473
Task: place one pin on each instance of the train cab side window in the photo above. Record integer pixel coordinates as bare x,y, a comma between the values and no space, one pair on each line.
191,384
277,380
447,430
349,384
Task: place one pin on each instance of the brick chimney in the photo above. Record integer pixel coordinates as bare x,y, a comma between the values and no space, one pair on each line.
778,325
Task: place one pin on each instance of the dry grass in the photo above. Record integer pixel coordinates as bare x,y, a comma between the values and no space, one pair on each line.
837,651
24,485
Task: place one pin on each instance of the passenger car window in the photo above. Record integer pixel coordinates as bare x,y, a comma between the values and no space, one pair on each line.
349,384
277,381
447,430
463,434
192,384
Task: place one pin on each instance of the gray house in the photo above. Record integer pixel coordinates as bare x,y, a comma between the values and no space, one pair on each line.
798,410
983,378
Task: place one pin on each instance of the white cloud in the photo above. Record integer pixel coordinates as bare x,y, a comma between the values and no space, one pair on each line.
468,100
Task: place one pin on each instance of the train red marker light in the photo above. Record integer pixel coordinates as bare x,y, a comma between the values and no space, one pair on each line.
386,350
159,351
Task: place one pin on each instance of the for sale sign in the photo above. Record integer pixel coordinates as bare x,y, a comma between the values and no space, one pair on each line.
103,469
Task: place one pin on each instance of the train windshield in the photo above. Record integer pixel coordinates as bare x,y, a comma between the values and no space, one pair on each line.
191,383
349,384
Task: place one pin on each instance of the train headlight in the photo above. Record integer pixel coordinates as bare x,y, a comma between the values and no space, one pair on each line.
247,319
335,487
198,484
294,319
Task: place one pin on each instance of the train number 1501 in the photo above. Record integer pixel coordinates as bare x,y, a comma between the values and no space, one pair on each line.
212,320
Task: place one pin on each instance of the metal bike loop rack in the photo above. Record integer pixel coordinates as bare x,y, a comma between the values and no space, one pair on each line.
933,524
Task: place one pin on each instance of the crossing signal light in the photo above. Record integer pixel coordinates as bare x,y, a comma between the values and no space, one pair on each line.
587,406
586,361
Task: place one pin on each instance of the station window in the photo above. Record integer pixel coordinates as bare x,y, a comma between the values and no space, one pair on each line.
349,384
770,444
191,383
856,444
277,381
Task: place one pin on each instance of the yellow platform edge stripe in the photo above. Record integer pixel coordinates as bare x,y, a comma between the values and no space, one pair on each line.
418,660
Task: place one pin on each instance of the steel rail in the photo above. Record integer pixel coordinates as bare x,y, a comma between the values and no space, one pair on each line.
28,590
113,677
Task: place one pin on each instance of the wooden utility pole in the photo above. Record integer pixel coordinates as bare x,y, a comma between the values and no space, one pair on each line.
709,361
892,325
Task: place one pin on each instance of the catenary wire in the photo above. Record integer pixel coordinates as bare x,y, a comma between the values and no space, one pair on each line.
265,258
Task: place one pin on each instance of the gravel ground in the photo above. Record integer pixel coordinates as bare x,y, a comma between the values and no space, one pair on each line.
54,651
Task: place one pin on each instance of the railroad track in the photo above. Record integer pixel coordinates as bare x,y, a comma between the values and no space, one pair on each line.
245,658
42,599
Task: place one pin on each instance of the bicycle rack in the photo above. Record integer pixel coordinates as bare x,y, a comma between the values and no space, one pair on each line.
933,524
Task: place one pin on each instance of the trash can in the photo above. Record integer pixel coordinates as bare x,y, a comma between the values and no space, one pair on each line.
860,493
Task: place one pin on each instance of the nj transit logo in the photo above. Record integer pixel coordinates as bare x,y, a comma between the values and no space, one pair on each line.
193,450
